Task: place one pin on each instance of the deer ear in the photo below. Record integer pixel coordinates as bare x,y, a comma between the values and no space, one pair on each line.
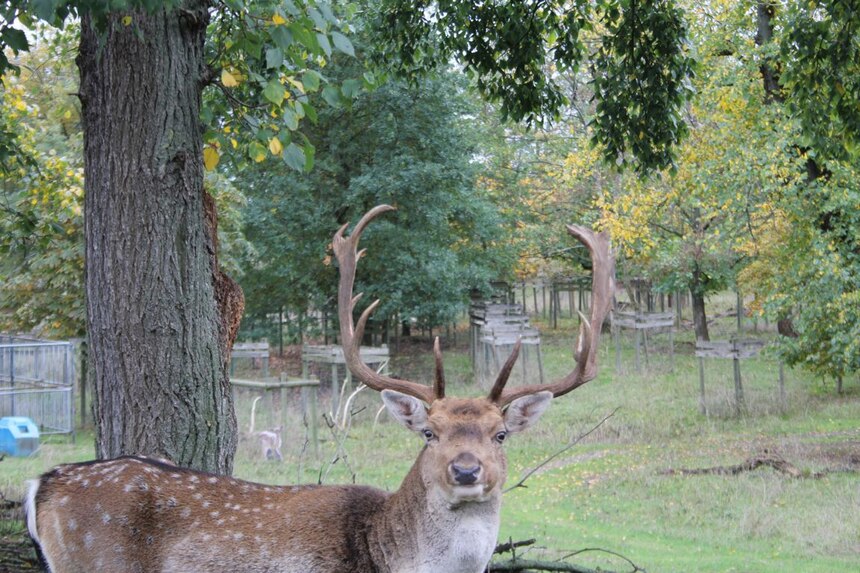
405,409
524,412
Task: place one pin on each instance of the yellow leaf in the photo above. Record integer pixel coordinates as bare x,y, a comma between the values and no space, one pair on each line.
210,158
275,146
228,79
260,156
277,20
234,143
126,20
20,105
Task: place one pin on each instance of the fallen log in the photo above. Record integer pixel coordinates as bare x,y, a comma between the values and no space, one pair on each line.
766,459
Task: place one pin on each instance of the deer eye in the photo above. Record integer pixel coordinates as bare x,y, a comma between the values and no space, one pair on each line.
500,437
428,434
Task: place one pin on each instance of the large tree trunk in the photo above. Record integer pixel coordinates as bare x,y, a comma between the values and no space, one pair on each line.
158,334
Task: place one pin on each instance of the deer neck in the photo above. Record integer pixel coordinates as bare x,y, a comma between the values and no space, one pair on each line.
419,531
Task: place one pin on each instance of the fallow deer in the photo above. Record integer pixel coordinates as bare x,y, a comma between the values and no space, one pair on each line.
135,514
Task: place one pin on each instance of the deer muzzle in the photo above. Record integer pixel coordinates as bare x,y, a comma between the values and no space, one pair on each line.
465,469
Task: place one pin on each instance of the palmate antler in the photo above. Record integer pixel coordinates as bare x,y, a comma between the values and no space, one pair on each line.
346,251
588,343
603,265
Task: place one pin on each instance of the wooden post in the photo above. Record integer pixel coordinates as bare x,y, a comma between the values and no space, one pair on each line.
638,344
335,394
782,401
740,311
281,332
540,363
671,349
739,390
645,346
702,407
312,423
543,309
616,335
282,392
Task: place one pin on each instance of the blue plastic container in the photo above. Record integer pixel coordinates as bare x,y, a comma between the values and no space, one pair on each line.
19,436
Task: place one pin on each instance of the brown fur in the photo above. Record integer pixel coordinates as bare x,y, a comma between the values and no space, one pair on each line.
138,514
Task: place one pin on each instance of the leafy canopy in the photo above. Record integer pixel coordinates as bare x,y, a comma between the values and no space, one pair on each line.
264,58
515,51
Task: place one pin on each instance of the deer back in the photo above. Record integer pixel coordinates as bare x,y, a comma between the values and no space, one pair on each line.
137,514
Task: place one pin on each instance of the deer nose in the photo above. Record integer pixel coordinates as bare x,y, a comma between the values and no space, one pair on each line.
465,469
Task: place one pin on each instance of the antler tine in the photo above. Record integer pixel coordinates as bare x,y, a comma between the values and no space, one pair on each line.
439,384
588,341
345,250
505,373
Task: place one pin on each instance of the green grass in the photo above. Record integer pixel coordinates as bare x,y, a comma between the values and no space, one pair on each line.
608,491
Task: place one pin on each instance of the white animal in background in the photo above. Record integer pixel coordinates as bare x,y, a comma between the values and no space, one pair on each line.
270,440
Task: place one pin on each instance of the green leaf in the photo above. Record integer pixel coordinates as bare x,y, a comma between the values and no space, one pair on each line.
332,96
274,92
291,120
309,111
310,154
326,11
351,88
311,81
305,36
342,43
257,152
294,157
274,57
282,37
15,39
324,43
318,19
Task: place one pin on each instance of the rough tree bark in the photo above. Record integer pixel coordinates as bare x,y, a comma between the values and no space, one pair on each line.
160,315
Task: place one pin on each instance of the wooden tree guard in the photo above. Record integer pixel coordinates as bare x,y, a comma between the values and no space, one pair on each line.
735,349
578,290
495,328
642,323
308,400
257,352
314,357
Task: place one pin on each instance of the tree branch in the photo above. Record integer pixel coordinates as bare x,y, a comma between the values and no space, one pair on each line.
532,471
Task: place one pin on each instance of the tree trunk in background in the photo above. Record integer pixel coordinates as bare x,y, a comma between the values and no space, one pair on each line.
697,297
160,315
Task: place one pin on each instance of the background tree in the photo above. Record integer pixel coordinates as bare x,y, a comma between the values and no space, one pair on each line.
399,144
41,219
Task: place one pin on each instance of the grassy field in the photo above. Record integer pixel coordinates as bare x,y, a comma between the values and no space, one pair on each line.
610,491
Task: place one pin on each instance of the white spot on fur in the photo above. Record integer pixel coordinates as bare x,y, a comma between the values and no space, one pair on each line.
72,524
89,539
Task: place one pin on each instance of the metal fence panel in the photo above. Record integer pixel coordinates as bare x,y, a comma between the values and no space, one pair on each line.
37,381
